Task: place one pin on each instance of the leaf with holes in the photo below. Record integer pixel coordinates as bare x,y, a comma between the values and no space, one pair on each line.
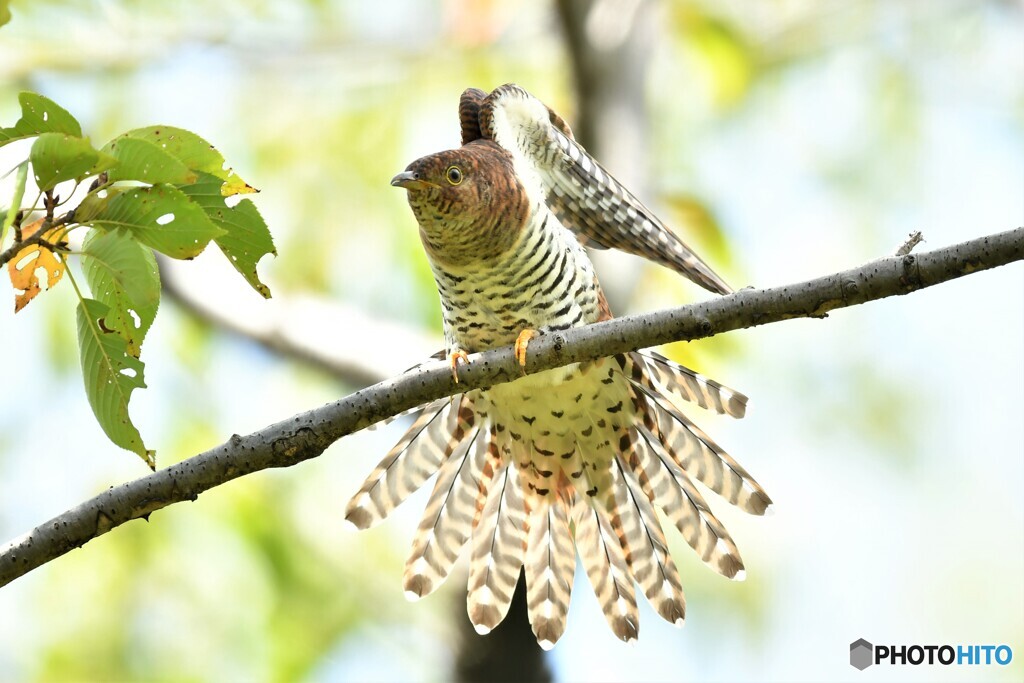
96,203
111,374
25,266
144,161
161,217
123,275
247,238
195,153
57,157
39,115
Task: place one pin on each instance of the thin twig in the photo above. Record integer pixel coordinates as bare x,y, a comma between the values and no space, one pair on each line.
913,239
308,434
38,237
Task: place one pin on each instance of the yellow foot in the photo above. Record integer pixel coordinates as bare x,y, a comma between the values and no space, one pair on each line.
522,341
453,359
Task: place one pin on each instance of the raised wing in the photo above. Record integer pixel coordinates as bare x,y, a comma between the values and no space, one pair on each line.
577,189
469,114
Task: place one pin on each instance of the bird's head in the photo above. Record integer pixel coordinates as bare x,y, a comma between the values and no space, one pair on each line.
469,202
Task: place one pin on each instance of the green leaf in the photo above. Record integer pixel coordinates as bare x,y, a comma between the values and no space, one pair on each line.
5,12
247,238
57,157
19,193
161,217
111,374
39,115
194,152
95,203
144,161
123,276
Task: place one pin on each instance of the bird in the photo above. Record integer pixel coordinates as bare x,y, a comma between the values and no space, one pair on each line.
564,463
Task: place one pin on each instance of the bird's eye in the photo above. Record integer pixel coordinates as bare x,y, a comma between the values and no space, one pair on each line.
453,175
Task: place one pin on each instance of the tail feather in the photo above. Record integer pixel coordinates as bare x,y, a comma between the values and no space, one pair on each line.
604,559
582,471
499,546
447,519
414,459
698,455
650,561
550,566
680,380
676,495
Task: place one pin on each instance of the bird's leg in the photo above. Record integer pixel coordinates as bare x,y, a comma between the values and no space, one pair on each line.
453,360
522,341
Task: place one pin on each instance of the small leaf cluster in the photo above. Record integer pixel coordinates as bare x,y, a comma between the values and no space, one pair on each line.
155,189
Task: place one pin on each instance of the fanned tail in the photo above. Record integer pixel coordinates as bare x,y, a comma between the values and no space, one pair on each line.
582,471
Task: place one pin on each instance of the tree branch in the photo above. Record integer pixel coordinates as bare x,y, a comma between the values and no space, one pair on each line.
308,434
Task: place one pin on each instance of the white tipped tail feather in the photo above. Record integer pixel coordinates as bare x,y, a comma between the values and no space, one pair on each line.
524,495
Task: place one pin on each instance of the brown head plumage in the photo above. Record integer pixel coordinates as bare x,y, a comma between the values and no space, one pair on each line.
468,202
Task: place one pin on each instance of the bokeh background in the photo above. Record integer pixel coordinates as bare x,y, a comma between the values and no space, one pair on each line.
785,138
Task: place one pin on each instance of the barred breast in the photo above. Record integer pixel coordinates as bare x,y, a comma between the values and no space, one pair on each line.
544,282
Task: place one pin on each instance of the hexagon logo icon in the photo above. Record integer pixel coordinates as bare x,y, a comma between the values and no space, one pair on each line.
861,654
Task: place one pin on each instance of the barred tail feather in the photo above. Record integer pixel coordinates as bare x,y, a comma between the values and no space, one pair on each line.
694,452
679,380
676,495
414,459
604,559
649,558
447,519
550,566
499,545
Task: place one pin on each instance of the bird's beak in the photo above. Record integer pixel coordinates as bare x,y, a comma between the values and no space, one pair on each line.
409,181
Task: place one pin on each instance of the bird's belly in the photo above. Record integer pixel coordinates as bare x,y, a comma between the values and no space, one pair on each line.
561,427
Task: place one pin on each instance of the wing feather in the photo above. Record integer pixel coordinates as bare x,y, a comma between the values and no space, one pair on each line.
584,196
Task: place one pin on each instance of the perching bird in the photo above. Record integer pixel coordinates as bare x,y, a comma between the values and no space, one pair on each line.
569,461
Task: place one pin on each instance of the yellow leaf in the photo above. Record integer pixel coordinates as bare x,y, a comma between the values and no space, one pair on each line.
24,267
235,185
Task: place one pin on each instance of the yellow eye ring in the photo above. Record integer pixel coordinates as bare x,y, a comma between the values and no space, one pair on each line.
453,175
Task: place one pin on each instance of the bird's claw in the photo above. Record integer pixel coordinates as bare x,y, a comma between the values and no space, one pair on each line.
453,360
522,341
